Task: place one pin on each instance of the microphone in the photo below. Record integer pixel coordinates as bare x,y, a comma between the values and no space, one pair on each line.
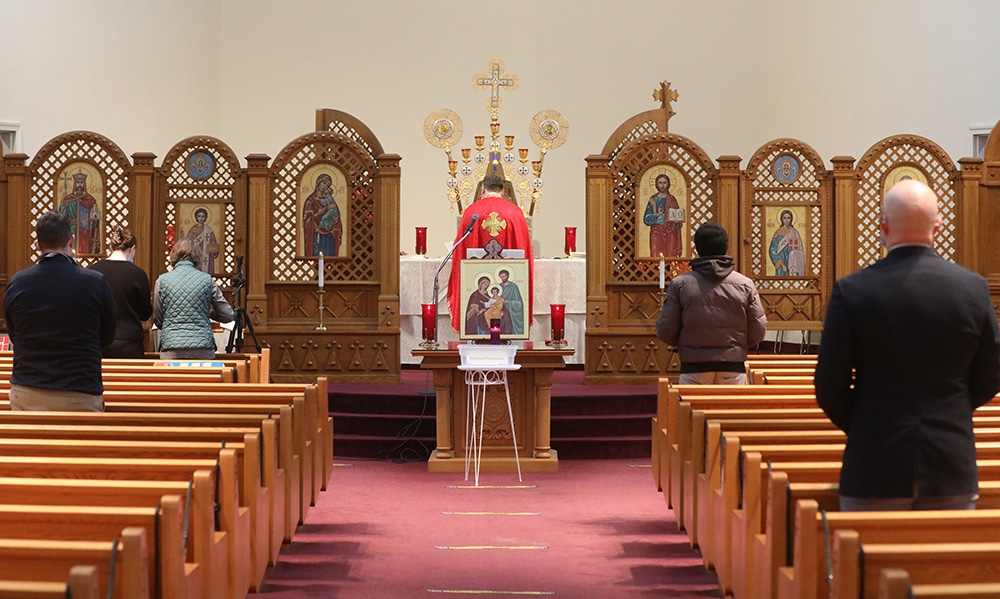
472,222
468,231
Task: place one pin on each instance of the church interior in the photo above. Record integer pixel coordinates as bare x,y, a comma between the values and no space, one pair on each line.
240,123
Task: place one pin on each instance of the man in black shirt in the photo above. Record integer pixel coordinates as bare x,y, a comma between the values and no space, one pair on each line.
58,316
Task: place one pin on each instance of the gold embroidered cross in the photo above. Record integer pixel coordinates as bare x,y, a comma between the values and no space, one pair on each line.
494,224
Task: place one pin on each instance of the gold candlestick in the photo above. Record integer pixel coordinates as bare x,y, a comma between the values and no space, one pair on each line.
321,326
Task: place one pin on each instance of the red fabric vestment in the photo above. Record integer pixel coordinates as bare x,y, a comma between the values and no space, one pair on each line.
514,236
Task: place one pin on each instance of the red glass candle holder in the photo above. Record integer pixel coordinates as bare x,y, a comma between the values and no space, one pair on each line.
421,241
570,240
428,313
558,312
495,331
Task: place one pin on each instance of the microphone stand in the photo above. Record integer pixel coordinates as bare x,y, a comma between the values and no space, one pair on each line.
444,261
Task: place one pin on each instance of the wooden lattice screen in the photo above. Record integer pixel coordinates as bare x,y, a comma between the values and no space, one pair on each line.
255,213
259,211
786,176
835,211
202,172
360,301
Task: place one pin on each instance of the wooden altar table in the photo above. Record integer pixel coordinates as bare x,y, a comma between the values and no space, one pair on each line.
531,396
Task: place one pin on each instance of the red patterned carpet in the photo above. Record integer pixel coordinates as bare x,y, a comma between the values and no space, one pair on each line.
594,529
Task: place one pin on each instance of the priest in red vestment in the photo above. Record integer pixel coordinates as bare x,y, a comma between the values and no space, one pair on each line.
498,219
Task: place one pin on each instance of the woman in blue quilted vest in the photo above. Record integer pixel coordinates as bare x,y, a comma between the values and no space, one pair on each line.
185,302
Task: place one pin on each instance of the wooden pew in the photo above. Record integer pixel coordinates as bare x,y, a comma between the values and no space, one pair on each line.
243,367
201,375
678,436
290,446
81,584
211,548
757,360
806,579
786,379
260,483
757,369
696,460
686,457
857,566
686,495
728,441
316,409
895,584
320,423
768,534
760,524
98,523
667,412
214,494
36,563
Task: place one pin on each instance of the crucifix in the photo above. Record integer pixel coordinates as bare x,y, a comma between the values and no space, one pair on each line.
494,80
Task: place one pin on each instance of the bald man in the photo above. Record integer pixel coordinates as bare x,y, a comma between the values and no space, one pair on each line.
910,349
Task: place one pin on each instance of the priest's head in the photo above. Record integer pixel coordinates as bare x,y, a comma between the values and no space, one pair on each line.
492,182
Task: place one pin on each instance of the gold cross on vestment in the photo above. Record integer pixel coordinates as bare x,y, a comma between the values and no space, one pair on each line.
494,80
494,224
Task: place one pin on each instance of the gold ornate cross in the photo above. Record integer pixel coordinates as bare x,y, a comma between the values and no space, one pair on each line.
494,224
494,80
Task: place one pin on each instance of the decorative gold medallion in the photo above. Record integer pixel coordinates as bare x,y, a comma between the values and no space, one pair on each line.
549,129
443,128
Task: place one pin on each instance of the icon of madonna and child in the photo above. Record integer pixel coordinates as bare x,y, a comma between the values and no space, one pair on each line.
496,296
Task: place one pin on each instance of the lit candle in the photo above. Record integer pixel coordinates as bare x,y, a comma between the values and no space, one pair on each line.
429,313
320,270
495,331
558,321
662,273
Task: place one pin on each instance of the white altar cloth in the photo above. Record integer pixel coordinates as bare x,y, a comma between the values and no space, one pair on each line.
557,281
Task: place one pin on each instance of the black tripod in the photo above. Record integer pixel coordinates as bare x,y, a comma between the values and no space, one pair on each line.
236,335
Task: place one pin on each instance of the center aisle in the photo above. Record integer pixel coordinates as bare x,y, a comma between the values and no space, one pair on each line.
595,528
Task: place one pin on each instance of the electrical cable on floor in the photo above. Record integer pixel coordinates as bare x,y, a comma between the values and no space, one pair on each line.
407,433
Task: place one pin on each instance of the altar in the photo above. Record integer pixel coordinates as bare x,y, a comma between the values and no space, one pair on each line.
556,281
531,402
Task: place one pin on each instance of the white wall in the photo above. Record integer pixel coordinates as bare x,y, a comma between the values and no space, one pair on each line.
838,75
143,73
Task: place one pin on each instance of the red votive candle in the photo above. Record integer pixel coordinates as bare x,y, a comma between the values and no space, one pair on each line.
495,331
570,240
429,314
421,240
558,321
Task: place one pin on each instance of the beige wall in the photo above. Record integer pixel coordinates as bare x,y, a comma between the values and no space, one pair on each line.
838,75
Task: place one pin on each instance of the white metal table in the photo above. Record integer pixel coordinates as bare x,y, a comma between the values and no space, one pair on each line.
478,379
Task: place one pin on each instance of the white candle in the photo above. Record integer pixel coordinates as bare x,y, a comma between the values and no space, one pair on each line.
662,273
320,269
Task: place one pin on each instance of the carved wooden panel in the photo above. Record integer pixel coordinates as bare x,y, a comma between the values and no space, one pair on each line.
625,201
352,159
113,166
786,193
345,357
894,157
203,171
